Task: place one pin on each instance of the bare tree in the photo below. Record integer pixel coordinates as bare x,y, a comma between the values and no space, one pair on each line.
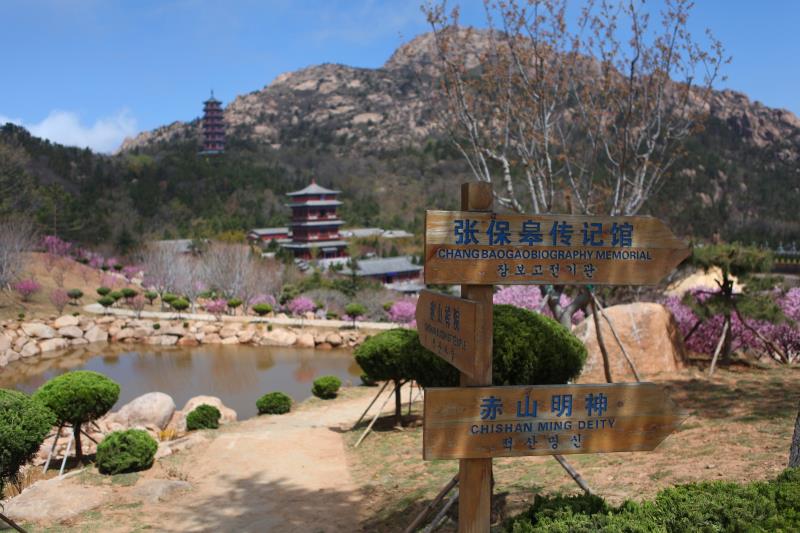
262,278
227,268
190,277
160,263
16,237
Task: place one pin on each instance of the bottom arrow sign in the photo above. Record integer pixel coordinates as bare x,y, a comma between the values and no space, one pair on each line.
483,422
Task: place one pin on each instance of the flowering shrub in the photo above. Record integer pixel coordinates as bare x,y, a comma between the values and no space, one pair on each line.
403,311
301,305
530,297
27,288
131,272
59,298
54,245
138,303
216,307
96,261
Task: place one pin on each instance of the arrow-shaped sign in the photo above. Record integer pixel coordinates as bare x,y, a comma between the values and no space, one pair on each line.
486,248
483,422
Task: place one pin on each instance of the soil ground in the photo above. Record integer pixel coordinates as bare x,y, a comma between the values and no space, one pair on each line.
300,472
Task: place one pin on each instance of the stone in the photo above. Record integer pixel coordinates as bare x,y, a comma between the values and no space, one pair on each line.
40,331
246,335
71,332
651,338
30,349
305,340
66,321
324,346
228,414
106,320
158,490
229,330
178,330
188,340
78,342
169,340
309,315
334,339
212,338
131,333
51,345
230,340
3,360
55,500
278,337
151,409
96,334
20,341
209,328
5,342
12,356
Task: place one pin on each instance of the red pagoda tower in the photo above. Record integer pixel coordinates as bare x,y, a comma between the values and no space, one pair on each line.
315,223
213,127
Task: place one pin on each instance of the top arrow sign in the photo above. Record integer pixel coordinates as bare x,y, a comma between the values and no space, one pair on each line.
487,248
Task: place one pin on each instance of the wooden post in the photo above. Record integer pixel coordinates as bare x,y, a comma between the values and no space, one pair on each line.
475,475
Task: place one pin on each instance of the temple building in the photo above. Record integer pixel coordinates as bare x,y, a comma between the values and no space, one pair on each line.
315,224
213,127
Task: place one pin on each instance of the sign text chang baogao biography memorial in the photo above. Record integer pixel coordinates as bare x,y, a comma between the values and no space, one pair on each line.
484,248
448,327
481,422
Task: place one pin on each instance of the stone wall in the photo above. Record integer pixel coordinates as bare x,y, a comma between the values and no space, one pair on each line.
46,338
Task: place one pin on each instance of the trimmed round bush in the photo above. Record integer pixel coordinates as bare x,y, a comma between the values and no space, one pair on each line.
106,301
24,423
117,295
262,309
103,291
274,403
203,417
75,294
126,451
128,293
151,296
233,303
180,304
326,387
355,310
169,297
78,397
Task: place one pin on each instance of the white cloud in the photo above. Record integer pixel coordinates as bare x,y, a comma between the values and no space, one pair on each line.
64,127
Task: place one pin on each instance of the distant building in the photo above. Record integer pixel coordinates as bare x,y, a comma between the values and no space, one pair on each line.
213,127
315,224
387,270
362,233
265,235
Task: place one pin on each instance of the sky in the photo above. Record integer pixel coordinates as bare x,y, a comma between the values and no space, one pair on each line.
91,72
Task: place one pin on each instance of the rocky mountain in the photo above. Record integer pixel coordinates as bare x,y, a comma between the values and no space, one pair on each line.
376,134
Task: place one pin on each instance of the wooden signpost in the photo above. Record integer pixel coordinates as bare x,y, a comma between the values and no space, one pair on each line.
475,422
479,248
448,326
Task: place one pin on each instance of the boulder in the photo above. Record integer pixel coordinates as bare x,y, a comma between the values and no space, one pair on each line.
151,409
229,330
212,338
177,330
188,340
71,332
96,334
51,345
178,421
54,500
21,341
230,340
30,349
651,338
12,356
66,321
158,490
40,331
5,343
305,340
278,337
78,342
131,333
324,346
246,335
3,360
334,339
209,328
169,340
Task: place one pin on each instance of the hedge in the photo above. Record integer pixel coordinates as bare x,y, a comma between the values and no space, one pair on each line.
203,417
274,403
326,387
24,423
126,451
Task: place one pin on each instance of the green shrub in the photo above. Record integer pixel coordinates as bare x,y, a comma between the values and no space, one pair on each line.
203,417
24,423
274,403
151,296
355,310
126,451
103,291
128,293
117,295
233,303
326,387
75,294
169,297
331,315
705,506
118,267
78,397
180,304
262,309
156,326
106,301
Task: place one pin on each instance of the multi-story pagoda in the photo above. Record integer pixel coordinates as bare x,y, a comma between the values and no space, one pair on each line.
315,224
213,127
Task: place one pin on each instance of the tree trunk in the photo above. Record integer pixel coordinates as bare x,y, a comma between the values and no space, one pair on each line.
398,404
794,448
728,344
76,431
599,334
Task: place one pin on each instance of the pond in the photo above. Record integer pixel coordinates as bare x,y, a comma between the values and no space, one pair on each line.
238,374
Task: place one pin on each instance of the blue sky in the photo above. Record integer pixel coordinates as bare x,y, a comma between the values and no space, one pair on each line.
90,72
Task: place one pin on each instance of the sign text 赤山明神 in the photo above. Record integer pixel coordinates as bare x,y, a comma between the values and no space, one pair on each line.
487,248
478,422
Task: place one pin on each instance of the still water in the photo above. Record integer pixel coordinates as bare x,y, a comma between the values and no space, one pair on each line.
237,374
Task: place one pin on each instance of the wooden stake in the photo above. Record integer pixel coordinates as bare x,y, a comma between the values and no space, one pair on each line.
574,474
428,508
385,384
719,347
599,334
440,516
475,475
616,338
375,418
